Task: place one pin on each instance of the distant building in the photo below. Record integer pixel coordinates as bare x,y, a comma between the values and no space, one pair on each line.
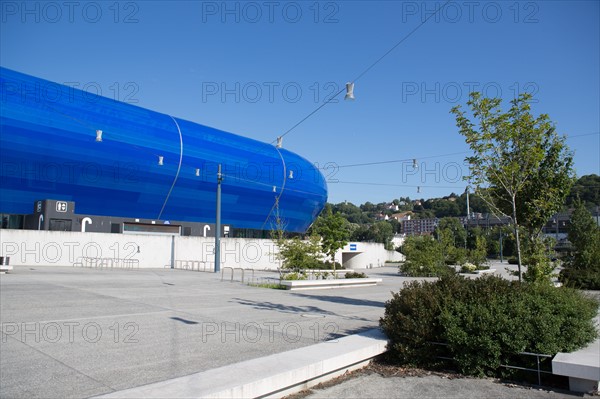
418,226
402,216
382,216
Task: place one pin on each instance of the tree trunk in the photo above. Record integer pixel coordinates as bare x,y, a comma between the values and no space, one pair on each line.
516,229
333,260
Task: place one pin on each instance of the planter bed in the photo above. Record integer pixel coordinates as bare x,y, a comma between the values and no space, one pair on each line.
328,284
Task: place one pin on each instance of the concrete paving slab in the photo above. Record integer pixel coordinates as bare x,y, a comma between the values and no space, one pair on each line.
77,332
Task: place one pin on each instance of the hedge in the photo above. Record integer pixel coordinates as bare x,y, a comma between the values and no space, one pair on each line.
483,323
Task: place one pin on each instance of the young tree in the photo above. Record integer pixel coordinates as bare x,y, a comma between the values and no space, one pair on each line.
298,255
520,167
334,232
278,227
456,228
583,269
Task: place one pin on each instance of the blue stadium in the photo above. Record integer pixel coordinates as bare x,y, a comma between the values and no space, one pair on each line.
116,159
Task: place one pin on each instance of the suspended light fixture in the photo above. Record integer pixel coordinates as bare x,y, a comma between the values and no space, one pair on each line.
418,189
98,136
274,189
291,176
349,91
415,164
279,142
197,171
161,160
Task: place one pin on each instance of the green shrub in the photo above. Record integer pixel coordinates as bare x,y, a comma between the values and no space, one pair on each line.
468,268
355,275
294,276
328,265
587,279
484,322
275,286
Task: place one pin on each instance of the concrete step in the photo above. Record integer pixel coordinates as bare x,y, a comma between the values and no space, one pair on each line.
270,376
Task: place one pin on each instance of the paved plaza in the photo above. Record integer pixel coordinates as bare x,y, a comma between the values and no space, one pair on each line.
77,332
80,332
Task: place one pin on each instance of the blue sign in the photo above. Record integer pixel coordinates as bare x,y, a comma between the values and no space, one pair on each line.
352,247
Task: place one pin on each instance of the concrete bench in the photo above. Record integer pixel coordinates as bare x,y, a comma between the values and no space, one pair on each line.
326,284
582,367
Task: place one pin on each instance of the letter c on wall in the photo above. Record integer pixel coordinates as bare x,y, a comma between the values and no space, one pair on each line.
84,222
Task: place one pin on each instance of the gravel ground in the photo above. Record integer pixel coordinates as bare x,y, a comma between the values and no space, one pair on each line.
384,381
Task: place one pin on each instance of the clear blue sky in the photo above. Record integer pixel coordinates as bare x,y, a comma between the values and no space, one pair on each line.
257,68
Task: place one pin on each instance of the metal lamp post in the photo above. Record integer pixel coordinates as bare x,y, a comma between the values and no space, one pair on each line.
218,223
501,260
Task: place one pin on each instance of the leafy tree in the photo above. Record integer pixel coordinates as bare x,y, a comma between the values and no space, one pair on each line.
478,254
381,232
444,208
424,213
298,254
396,226
451,234
587,189
294,253
472,234
476,204
520,167
334,232
453,254
424,257
538,252
368,207
456,228
583,269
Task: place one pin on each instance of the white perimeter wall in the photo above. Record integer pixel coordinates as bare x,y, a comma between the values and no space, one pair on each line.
58,248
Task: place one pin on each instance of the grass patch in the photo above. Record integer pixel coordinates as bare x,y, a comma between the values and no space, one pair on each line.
274,286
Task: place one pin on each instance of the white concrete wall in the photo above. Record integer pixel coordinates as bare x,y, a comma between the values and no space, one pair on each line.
57,248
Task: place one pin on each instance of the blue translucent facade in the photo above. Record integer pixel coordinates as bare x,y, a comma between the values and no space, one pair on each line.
49,150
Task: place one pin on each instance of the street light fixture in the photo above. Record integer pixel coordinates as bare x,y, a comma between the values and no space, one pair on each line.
349,91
